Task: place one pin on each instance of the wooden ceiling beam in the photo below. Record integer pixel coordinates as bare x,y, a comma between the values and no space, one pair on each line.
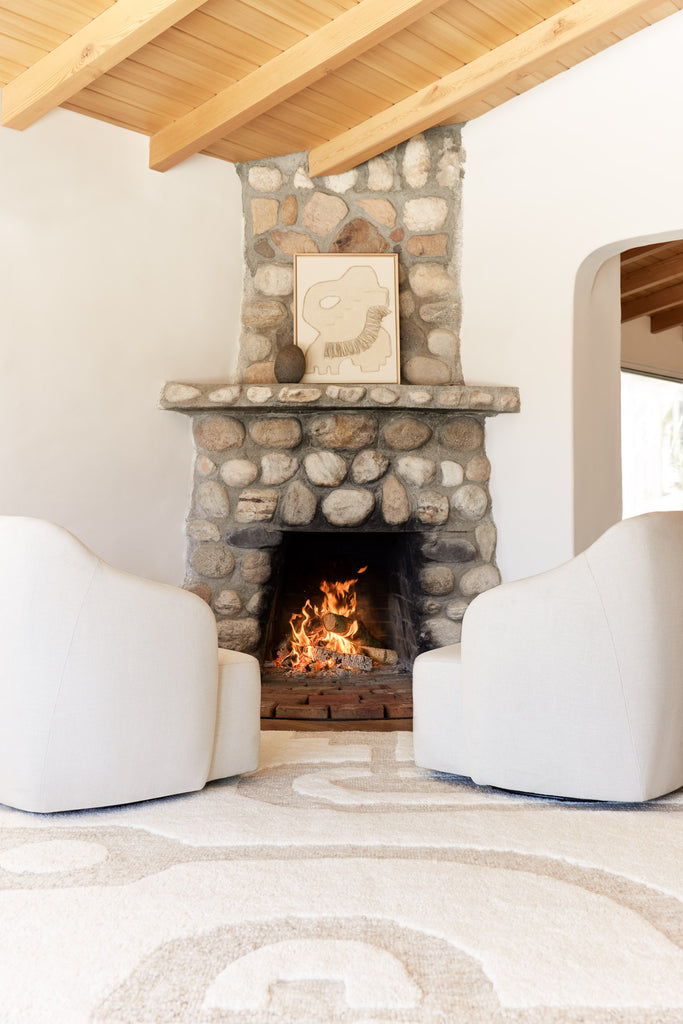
652,275
96,48
446,98
631,255
328,48
646,305
669,318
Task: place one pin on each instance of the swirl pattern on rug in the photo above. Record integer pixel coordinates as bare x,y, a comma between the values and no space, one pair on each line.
340,884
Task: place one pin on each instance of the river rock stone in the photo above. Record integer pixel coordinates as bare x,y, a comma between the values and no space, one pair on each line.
463,434
479,579
347,507
478,469
205,465
218,433
290,242
344,430
380,210
255,537
212,560
228,602
425,214
262,313
485,536
359,235
228,394
239,472
448,173
259,373
322,213
442,632
276,468
256,567
256,506
426,370
290,211
259,395
327,469
203,529
456,609
441,313
416,162
429,280
180,392
406,434
448,548
276,433
274,279
298,505
452,473
342,182
442,343
437,580
212,499
395,505
415,470
239,634
301,179
263,215
384,396
427,245
256,347
432,507
470,501
265,179
263,248
380,175
200,589
368,466
350,395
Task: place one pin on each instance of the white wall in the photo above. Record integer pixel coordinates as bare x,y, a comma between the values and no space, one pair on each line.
574,170
660,354
113,279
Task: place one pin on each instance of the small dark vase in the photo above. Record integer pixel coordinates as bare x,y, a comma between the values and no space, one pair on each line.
290,365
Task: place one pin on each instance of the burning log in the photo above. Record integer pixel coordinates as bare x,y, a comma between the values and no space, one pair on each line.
359,661
381,655
341,625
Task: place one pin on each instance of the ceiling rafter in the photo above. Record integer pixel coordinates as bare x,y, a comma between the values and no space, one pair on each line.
651,303
302,64
665,321
445,98
91,51
653,275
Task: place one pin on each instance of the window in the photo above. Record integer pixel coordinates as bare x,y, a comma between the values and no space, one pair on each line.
651,444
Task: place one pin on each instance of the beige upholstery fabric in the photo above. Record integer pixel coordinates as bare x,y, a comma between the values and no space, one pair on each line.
569,683
110,690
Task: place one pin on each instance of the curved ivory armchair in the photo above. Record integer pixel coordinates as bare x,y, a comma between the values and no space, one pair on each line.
569,683
112,688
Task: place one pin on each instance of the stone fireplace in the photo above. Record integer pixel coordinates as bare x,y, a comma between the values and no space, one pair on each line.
287,472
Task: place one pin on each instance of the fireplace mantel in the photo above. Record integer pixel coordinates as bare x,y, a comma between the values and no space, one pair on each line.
486,400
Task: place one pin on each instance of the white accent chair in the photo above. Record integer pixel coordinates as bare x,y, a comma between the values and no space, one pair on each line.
112,688
569,683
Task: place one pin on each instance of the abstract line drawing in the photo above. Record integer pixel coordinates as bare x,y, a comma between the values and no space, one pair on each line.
346,319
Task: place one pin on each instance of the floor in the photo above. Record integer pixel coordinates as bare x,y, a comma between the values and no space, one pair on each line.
297,700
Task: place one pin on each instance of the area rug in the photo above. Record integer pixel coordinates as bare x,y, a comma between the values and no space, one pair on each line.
340,884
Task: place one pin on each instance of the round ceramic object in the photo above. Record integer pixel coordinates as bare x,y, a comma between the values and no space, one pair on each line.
290,364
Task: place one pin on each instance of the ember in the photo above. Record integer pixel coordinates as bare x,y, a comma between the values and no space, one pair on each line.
328,636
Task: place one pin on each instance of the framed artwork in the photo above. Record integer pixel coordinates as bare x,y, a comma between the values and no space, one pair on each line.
346,317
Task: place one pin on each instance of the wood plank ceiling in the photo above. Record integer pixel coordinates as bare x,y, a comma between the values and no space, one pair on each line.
652,284
251,79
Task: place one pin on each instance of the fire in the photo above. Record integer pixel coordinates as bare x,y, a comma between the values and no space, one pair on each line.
309,635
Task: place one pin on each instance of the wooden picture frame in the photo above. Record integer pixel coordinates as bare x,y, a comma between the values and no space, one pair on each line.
346,317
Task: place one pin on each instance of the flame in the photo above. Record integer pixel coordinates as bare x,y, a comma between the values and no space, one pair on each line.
308,634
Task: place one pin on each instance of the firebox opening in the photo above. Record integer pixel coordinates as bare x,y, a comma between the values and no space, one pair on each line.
367,626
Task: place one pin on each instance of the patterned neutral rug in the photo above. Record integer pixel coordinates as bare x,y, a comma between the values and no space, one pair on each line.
339,883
